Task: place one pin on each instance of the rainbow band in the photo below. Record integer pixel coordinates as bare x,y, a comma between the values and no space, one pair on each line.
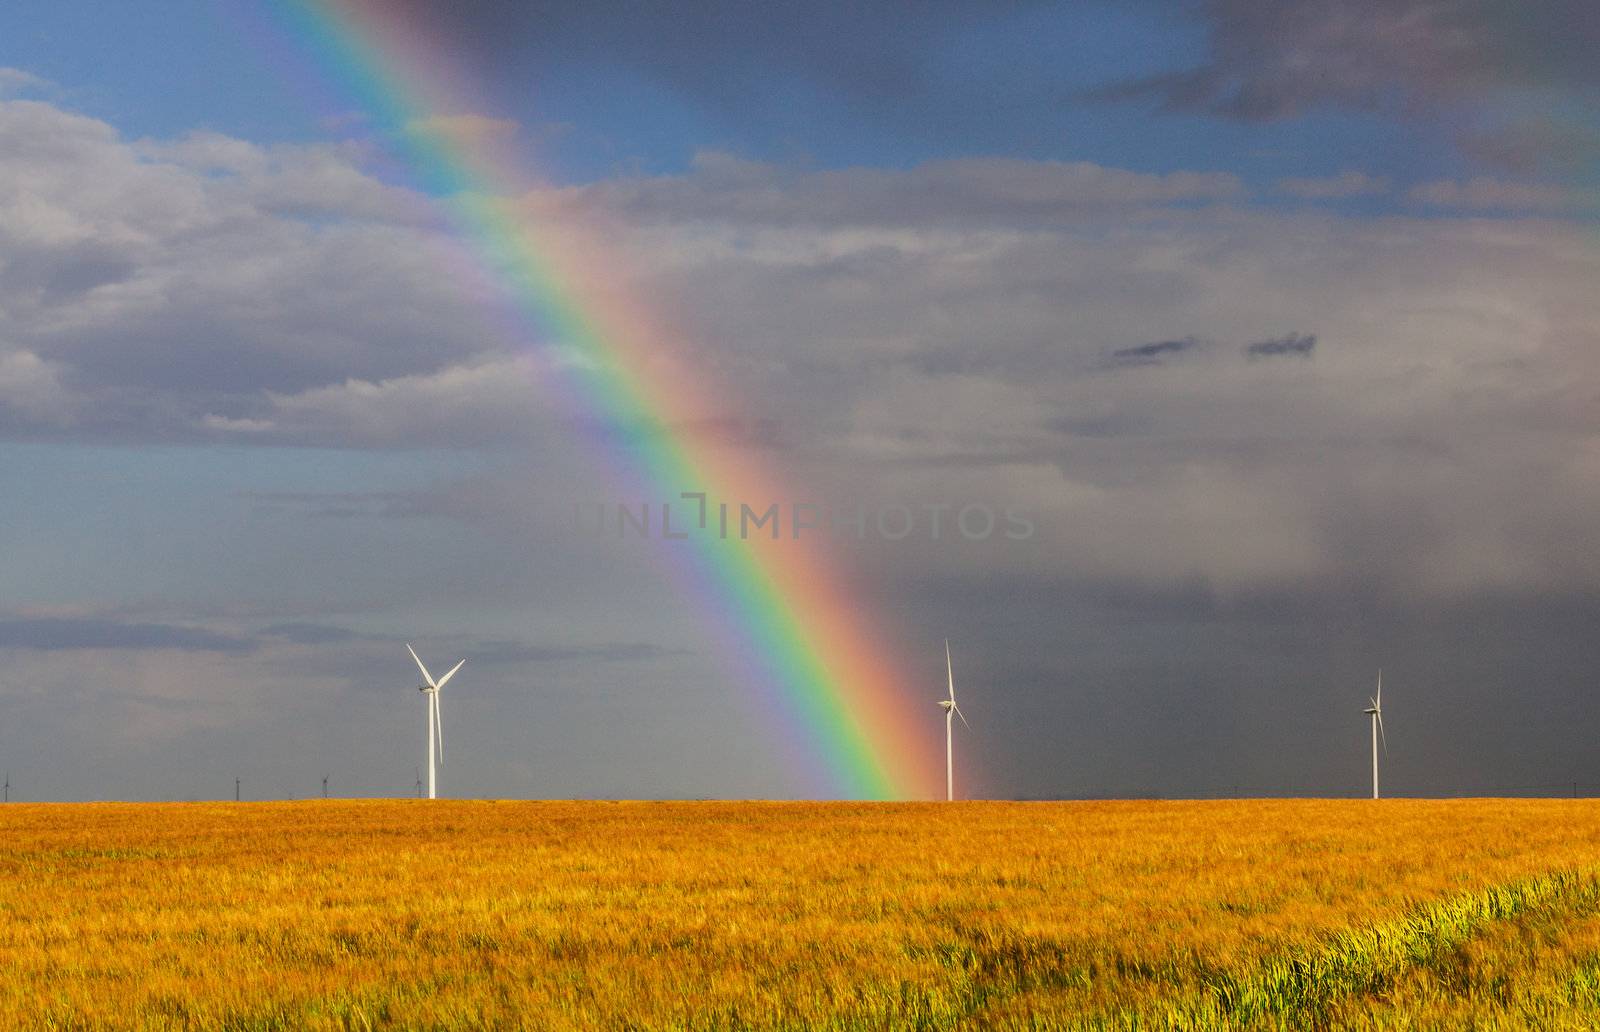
784,612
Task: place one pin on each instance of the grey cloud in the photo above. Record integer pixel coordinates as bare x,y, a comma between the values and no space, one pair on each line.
1294,344
967,191
479,652
1532,146
310,633
1486,193
897,358
721,54
1348,183
159,285
347,504
60,633
508,652
1154,352
1271,61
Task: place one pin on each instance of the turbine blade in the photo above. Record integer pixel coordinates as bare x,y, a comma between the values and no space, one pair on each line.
1378,699
425,675
1381,736
438,726
949,671
446,678
962,715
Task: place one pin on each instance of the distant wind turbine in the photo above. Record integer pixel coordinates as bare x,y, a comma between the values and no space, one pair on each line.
8,786
1375,711
435,725
951,711
325,785
419,782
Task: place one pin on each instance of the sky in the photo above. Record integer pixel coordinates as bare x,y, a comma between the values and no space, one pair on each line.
1274,326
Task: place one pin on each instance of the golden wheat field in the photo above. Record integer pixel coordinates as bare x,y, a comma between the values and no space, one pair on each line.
584,915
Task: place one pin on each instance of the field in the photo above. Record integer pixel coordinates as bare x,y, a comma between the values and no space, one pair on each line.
465,915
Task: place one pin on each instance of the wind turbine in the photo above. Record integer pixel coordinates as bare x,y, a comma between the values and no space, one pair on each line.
435,725
8,786
419,782
951,711
325,785
1375,711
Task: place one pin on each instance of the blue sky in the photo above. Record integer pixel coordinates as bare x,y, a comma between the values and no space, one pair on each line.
1277,318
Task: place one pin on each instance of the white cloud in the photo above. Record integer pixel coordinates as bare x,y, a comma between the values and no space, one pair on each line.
469,404
31,392
15,81
227,425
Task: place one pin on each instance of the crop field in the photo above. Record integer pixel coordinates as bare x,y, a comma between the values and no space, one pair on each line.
585,915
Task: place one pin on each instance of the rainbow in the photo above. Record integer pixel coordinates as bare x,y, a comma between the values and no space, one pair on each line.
789,623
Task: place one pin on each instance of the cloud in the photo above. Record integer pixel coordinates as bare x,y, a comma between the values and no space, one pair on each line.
460,405
507,652
1294,344
1280,60
720,55
310,633
1530,145
478,651
1485,193
15,81
60,633
1143,354
1348,183
31,392
160,289
966,191
905,336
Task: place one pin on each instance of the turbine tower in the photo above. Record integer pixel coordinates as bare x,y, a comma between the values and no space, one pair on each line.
951,711
435,725
1375,711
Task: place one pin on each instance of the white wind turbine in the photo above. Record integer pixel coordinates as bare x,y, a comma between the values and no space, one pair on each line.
435,725
951,711
1375,711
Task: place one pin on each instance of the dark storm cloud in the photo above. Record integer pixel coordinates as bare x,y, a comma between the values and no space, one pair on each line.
57,633
522,652
311,633
956,192
1531,146
480,651
347,504
721,52
1279,60
1154,352
1295,344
